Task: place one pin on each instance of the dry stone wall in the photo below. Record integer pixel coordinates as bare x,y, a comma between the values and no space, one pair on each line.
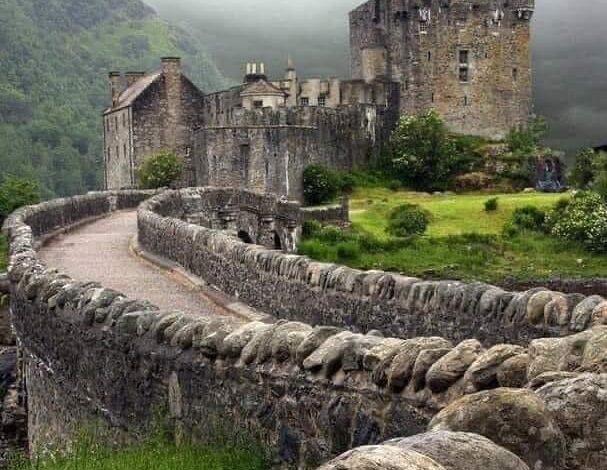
91,355
300,289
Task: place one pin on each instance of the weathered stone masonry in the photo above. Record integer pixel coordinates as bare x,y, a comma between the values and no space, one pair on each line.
92,355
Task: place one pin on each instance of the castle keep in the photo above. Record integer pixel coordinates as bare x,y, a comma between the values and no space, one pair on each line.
469,60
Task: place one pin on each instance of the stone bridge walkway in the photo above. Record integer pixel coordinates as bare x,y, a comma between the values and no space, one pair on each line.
100,252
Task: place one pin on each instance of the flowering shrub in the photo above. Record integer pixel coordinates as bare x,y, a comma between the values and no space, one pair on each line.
583,219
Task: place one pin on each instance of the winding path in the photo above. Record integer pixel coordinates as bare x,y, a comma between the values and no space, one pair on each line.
100,252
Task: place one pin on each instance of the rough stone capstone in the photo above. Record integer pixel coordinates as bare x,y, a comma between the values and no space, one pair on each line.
483,372
451,367
461,451
579,407
381,458
516,419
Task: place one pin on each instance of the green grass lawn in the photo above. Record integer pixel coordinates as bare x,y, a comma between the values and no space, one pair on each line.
463,240
156,456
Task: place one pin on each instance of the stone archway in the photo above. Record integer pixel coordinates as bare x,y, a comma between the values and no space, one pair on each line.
277,241
245,237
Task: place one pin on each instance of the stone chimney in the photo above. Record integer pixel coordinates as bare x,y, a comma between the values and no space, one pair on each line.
133,77
115,87
171,74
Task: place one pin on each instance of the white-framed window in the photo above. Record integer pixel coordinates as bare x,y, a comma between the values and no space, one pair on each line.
258,104
423,27
322,101
463,58
305,101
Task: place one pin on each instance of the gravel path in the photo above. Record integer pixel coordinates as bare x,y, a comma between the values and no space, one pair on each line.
100,252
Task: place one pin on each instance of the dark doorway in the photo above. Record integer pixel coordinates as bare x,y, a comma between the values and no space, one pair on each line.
277,242
245,237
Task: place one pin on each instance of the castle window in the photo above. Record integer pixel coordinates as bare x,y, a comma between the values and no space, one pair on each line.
305,101
124,150
188,151
466,102
429,56
115,122
463,57
423,27
258,104
322,101
432,97
118,152
515,74
123,120
109,154
463,74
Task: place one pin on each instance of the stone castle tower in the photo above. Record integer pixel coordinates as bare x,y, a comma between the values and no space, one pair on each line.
468,59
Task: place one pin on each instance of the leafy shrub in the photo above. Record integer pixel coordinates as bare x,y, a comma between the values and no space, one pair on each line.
159,170
474,181
311,228
599,184
17,192
583,171
583,219
529,218
321,185
394,185
408,220
346,182
348,250
491,204
526,139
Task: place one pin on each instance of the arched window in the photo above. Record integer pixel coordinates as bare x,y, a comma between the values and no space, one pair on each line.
277,242
245,237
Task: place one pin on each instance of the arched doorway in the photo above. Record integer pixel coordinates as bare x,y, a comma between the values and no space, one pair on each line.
277,242
245,237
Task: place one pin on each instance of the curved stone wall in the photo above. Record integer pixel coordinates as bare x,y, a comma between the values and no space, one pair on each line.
300,289
91,355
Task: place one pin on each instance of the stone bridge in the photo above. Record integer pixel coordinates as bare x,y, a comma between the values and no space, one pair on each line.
501,380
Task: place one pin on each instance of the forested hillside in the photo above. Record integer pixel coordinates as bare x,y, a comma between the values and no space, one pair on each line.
54,60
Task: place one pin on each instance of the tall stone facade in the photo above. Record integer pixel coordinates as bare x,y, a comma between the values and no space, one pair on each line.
469,60
155,112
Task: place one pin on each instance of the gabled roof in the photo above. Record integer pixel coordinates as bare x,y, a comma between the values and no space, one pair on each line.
262,88
130,95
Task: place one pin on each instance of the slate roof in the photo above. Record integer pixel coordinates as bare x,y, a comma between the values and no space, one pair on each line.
130,95
262,87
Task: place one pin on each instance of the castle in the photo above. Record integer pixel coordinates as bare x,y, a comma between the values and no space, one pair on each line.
468,59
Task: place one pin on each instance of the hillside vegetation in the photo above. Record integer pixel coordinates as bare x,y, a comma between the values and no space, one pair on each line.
55,57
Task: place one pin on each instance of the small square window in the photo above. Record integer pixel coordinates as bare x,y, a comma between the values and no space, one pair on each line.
463,57
464,76
258,104
322,101
305,101
423,27
515,74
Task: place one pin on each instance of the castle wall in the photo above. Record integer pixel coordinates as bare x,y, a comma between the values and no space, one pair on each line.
268,150
158,126
118,151
427,46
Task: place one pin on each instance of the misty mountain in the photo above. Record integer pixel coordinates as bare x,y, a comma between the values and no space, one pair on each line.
570,64
55,57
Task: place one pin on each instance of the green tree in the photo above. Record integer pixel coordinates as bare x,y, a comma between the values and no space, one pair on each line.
583,171
320,184
160,170
17,192
525,140
423,153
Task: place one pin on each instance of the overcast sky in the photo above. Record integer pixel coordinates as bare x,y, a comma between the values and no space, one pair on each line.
569,46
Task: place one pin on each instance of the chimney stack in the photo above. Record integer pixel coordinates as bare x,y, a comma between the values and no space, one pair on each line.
133,77
173,128
115,87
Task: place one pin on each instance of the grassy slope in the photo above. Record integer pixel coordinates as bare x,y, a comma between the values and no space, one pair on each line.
157,457
446,252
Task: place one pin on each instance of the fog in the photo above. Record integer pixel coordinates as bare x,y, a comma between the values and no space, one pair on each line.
569,48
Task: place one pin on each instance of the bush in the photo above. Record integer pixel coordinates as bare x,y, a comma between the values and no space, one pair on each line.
474,181
394,185
17,192
491,204
424,155
311,228
159,171
600,184
583,171
583,219
348,250
529,218
321,185
408,220
524,140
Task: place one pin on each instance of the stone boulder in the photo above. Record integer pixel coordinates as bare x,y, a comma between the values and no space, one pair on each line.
382,458
451,367
516,419
461,451
579,406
